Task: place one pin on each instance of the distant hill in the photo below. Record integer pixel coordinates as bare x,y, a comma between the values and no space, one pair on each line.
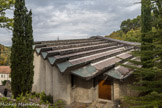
129,30
5,55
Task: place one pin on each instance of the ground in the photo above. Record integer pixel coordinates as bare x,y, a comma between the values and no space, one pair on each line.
2,90
98,104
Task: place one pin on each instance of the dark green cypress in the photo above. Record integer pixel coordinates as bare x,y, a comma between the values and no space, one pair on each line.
21,51
146,37
29,52
149,77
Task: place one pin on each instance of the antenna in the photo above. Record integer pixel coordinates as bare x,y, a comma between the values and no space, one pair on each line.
58,38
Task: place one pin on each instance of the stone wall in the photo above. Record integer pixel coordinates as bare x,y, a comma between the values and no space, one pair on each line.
83,91
122,88
116,89
125,89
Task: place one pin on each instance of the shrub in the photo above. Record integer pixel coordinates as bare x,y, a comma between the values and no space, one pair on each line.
4,82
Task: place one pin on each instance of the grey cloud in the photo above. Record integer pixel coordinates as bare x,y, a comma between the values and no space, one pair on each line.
5,37
78,18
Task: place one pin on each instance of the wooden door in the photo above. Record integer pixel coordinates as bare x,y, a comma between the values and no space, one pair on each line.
105,89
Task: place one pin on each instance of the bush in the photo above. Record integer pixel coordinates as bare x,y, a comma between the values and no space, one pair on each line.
59,104
19,102
4,82
32,100
46,98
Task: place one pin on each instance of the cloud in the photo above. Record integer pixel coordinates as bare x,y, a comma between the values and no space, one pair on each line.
5,37
77,18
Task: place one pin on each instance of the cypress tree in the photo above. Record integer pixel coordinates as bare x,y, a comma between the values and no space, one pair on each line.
146,37
29,52
21,51
149,77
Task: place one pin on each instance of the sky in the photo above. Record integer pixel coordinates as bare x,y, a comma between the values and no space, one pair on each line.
74,19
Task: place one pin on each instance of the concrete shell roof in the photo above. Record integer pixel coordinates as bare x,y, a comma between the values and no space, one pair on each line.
87,58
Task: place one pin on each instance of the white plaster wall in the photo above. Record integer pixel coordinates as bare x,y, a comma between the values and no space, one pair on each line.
49,79
39,74
61,86
5,77
42,75
36,62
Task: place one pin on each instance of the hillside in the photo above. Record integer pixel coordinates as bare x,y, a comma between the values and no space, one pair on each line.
4,55
129,30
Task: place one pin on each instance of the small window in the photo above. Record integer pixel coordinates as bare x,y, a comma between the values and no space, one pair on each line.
72,81
1,76
4,76
94,82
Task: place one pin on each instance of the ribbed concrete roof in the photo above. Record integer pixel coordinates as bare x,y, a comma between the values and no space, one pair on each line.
86,58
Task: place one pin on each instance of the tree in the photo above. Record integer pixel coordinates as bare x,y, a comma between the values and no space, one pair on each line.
4,55
149,77
5,22
128,24
146,37
133,35
29,52
21,51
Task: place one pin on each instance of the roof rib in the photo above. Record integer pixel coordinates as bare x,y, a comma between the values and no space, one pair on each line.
100,67
61,58
49,52
69,65
86,58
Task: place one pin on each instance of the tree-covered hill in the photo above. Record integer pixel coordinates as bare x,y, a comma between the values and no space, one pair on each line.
129,30
4,55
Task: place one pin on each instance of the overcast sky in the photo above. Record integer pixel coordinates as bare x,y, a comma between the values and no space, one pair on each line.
71,19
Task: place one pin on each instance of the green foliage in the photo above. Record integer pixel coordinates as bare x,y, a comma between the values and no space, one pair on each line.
21,51
58,104
146,37
5,55
28,53
45,99
128,24
20,102
149,77
133,35
117,35
4,82
34,100
48,99
5,22
129,30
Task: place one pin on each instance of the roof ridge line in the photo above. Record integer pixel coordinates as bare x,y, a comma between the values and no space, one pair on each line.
119,41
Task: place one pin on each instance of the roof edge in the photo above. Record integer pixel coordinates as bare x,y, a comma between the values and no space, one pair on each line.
119,41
